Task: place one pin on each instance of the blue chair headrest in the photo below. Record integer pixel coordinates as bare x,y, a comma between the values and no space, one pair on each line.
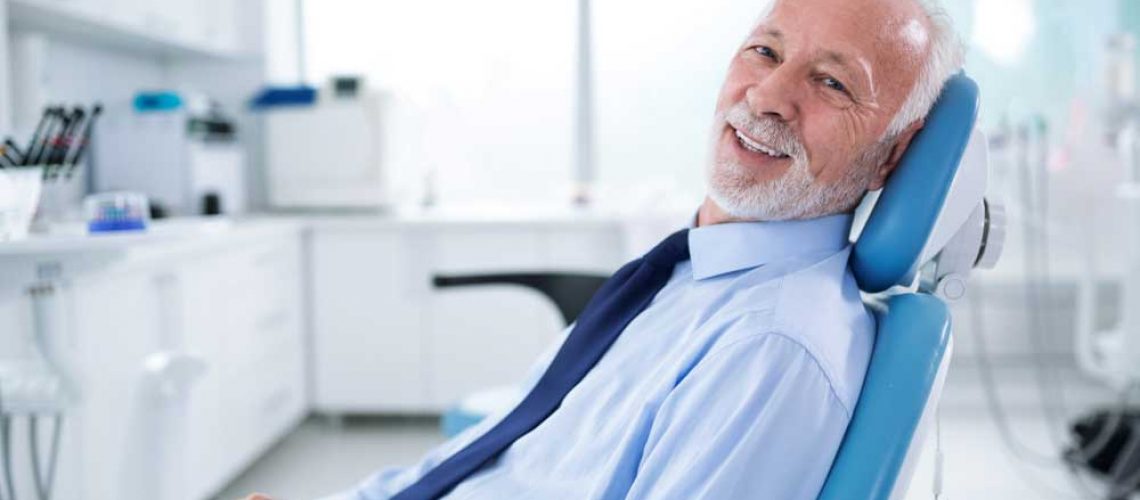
888,250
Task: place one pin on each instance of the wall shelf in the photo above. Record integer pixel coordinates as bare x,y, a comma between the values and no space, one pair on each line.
85,24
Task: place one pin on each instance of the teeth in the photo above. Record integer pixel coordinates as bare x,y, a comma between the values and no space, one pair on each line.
756,147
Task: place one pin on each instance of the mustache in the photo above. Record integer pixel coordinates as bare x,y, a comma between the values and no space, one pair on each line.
771,131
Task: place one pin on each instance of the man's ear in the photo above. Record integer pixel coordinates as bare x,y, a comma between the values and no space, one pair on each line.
884,170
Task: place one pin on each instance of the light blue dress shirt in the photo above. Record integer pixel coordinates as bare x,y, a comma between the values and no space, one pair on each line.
738,381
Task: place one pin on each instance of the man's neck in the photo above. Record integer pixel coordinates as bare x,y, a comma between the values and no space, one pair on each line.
710,213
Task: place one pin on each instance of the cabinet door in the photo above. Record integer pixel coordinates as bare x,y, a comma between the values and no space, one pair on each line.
368,291
242,314
265,358
121,445
207,326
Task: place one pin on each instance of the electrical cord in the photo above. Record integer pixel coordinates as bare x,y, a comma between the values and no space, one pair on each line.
1036,201
6,451
1120,488
57,434
1104,436
1037,259
989,385
939,458
1018,449
34,453
1044,333
44,480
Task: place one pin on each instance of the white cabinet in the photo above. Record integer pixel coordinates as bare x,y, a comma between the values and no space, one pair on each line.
385,341
368,311
208,28
243,314
117,326
233,307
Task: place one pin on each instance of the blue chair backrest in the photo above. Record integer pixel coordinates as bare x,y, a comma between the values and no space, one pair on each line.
913,340
890,247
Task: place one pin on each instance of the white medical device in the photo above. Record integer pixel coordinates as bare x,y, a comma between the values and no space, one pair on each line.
171,156
1113,354
326,155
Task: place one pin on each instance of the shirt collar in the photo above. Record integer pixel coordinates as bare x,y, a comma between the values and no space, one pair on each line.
734,246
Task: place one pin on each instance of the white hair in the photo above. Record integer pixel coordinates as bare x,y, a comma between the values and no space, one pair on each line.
945,58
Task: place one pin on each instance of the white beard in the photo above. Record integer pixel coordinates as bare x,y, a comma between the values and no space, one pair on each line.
794,195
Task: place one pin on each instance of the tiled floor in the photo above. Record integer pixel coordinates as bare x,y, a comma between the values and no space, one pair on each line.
321,457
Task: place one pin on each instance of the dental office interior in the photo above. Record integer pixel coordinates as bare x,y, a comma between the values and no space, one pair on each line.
279,245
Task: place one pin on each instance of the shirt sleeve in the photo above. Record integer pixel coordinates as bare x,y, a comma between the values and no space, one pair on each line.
387,482
756,418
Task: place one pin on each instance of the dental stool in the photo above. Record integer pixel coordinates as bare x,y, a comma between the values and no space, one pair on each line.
923,234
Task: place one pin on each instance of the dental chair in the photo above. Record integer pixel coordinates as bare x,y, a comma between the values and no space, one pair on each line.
917,244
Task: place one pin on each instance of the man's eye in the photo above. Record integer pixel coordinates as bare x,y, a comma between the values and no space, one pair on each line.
835,84
766,52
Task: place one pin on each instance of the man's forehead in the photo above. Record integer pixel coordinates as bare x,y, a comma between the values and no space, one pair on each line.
837,54
849,29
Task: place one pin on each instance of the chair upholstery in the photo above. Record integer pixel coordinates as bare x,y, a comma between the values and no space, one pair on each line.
913,342
889,249
908,366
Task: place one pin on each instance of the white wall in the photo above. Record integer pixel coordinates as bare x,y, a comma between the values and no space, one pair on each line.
5,71
77,74
282,41
659,68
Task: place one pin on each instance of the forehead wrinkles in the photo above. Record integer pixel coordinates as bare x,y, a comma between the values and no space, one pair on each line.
902,46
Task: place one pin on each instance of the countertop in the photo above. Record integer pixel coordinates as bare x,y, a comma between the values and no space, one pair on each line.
71,239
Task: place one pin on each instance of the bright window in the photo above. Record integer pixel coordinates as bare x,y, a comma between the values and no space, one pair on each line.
481,93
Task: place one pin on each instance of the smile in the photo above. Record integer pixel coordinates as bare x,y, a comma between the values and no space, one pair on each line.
756,147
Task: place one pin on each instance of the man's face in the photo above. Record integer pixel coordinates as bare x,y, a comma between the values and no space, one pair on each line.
806,103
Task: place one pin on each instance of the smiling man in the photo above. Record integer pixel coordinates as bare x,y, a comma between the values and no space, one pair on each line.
726,363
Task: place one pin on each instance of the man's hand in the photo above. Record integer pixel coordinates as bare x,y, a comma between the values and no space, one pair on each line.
257,496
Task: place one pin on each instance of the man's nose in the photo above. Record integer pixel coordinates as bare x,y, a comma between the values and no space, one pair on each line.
774,96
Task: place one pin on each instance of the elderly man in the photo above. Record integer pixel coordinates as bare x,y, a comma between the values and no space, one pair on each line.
726,363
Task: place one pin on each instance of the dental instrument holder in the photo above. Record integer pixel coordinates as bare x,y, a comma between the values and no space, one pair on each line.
116,212
36,387
1111,354
20,191
61,200
45,386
